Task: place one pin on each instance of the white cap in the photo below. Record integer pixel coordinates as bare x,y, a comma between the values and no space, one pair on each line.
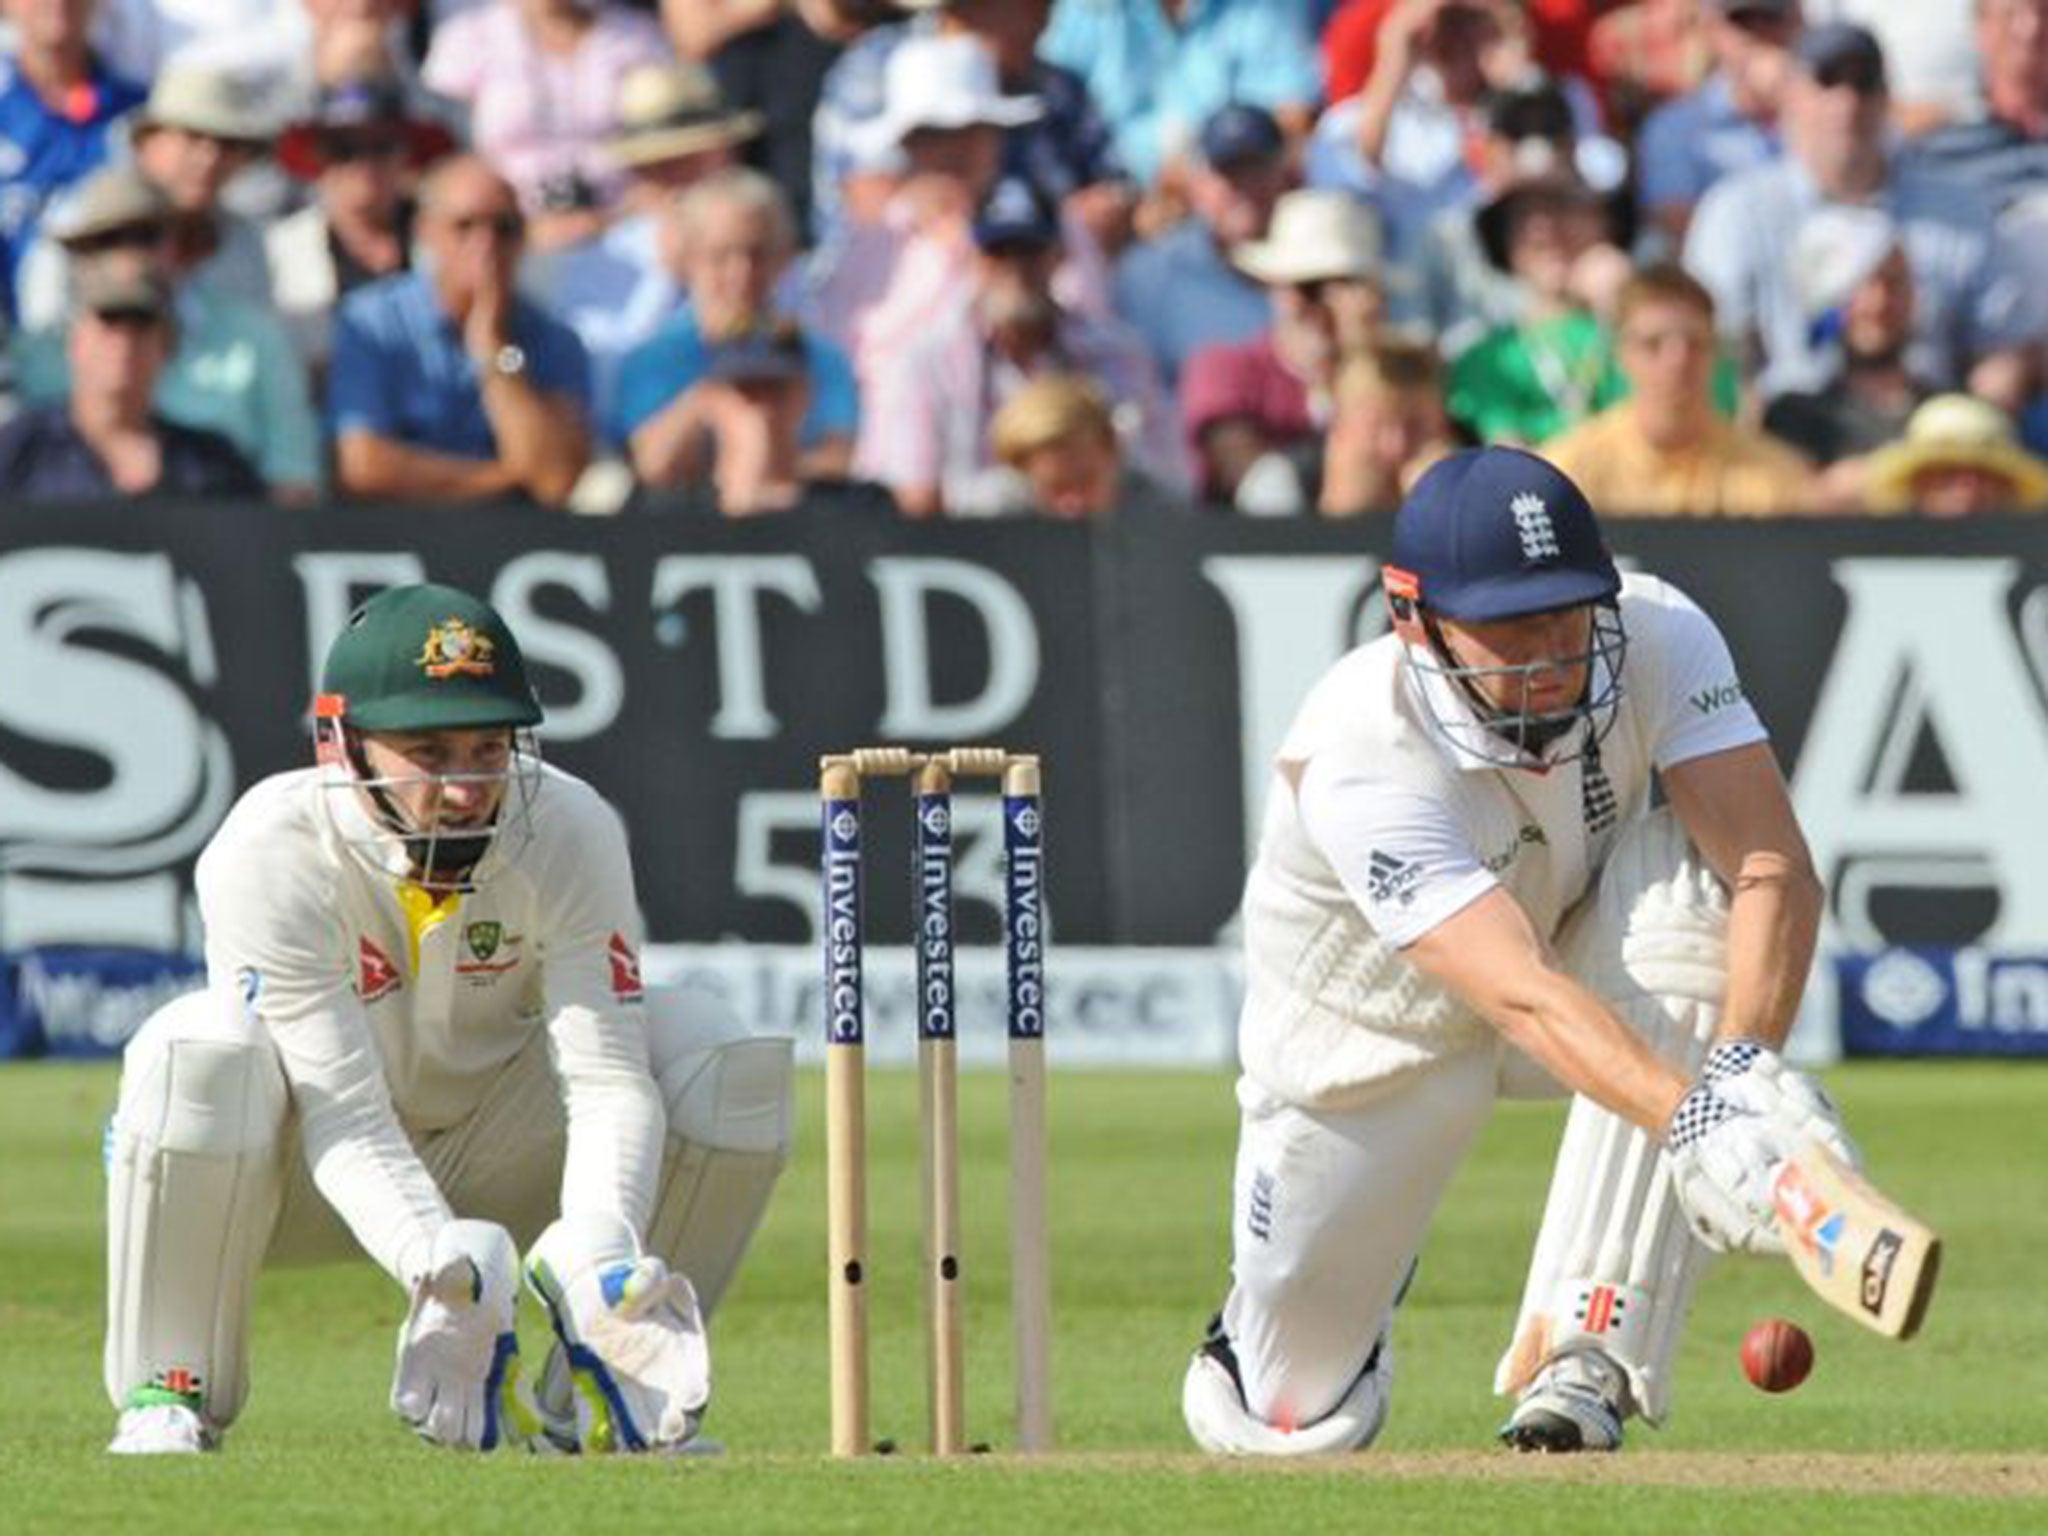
1317,234
1836,251
943,82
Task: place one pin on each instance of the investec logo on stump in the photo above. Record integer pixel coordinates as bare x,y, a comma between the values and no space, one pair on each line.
935,916
842,919
1025,879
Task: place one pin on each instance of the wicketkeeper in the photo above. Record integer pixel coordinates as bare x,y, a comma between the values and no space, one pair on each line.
424,1033
1462,891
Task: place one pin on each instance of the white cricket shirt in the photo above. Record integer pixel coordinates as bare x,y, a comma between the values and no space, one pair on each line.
1377,829
392,1013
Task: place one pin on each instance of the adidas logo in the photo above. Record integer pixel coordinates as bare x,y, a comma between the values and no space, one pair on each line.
1258,1218
1389,879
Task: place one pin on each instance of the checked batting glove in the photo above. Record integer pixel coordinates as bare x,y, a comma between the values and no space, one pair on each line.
457,1382
627,1328
1722,1162
1754,1077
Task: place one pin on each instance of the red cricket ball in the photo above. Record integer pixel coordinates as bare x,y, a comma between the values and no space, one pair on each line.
1776,1355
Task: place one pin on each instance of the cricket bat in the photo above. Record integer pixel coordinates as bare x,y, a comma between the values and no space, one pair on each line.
1861,1253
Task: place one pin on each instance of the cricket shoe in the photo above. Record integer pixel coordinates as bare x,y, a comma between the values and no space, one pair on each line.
1573,1405
164,1424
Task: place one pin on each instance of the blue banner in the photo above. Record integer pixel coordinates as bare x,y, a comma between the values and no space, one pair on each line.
74,1001
1943,1002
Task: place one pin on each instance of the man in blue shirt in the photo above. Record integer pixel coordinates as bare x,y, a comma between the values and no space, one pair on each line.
445,385
1729,123
56,101
1179,290
105,440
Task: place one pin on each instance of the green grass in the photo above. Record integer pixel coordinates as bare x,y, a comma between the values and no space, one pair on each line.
1138,1193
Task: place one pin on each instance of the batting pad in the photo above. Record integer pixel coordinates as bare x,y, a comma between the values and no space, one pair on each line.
728,1097
193,1185
1615,1264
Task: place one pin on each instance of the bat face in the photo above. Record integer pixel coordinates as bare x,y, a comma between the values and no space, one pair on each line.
1859,1252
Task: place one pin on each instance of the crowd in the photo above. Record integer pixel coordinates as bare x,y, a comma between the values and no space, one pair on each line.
971,258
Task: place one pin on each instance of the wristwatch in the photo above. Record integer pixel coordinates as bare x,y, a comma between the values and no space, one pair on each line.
509,361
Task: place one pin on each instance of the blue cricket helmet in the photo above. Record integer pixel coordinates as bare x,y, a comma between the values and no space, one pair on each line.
1493,533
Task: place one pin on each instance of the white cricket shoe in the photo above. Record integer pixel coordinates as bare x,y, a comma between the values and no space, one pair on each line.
1574,1404
162,1429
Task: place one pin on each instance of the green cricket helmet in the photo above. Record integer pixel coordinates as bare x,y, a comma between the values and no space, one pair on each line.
426,658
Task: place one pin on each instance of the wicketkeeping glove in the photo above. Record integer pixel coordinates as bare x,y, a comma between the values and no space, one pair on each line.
630,1332
457,1382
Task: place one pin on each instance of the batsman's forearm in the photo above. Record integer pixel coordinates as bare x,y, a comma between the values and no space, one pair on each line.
1574,1037
1773,920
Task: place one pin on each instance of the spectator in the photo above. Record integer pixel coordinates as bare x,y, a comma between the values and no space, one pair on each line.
925,432
1554,365
1179,290
880,284
1529,130
1975,317
1561,37
1057,436
1858,289
200,129
105,440
1388,426
750,402
1665,451
446,385
541,81
771,57
56,101
1158,69
1066,150
1934,58
361,150
1647,53
1728,124
616,288
732,236
2002,148
1957,459
233,369
1321,267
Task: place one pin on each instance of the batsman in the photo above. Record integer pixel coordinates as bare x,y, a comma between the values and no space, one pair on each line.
424,1037
1462,891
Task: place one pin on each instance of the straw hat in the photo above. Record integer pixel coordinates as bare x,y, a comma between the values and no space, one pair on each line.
115,197
670,110
1961,432
209,102
1316,235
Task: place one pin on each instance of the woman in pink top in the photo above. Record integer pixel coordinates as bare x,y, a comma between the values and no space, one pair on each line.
541,81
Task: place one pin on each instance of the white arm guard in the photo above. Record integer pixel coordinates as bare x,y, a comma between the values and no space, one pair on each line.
632,1334
1755,1078
1722,1160
457,1381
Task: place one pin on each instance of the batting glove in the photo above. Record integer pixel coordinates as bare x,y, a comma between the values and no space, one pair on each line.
1755,1078
457,1382
1722,1162
630,1331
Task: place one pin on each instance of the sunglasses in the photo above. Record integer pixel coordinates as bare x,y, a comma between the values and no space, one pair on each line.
130,319
347,148
500,226
1863,76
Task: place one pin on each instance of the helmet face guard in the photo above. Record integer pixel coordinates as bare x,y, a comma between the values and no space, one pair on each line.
1517,734
371,815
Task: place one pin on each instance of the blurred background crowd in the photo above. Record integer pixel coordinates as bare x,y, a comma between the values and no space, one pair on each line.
1067,258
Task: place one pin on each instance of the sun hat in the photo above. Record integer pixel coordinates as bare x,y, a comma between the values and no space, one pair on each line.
667,111
943,83
1316,235
1954,431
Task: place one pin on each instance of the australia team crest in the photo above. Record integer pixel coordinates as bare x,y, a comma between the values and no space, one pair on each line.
453,649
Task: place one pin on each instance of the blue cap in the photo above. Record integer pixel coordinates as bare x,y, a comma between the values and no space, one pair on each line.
1842,53
1016,212
1493,533
1239,133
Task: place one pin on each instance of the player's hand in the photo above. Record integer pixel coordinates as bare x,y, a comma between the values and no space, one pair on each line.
1723,1159
457,1382
631,1332
1754,1077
